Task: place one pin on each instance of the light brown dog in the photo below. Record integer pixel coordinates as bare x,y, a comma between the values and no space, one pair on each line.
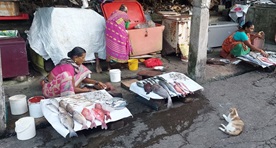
235,124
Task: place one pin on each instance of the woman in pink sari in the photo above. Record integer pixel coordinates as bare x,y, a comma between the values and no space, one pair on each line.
66,77
118,46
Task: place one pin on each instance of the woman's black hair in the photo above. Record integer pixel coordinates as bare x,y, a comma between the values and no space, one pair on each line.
248,24
123,8
77,51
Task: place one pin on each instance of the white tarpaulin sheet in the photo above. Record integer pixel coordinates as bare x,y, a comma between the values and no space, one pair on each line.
258,59
170,77
56,31
87,100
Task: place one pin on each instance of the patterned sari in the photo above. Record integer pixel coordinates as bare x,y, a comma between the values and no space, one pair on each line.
62,85
118,45
236,48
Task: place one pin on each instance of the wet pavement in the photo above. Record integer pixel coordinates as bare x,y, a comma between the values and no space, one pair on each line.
193,124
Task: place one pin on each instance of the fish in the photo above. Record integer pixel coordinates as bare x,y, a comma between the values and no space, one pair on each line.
169,85
80,119
161,78
171,88
69,108
52,108
99,114
147,87
156,88
107,113
62,110
62,104
179,90
117,105
90,116
152,80
162,83
67,121
185,88
54,102
140,84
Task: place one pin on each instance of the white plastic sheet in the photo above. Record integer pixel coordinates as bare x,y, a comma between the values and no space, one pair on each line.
53,119
190,84
56,31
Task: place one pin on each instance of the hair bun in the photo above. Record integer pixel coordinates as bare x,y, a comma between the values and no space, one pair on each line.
69,54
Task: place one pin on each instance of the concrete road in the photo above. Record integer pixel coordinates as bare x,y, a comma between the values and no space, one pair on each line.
187,125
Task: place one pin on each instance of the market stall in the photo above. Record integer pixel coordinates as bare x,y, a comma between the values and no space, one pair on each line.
114,105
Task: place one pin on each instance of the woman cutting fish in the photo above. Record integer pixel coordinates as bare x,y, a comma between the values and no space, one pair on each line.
66,77
239,43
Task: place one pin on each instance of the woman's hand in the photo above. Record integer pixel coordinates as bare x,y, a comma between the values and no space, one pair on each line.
263,53
100,86
85,89
261,34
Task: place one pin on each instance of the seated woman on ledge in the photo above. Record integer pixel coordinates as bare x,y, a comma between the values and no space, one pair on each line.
66,77
239,43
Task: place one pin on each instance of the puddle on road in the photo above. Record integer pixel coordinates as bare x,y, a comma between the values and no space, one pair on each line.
146,128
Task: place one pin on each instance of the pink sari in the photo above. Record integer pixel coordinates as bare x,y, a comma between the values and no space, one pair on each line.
62,85
118,46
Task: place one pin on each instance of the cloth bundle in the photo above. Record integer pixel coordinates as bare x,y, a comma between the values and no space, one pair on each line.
152,62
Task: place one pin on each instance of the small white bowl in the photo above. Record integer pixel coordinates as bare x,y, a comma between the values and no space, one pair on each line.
160,68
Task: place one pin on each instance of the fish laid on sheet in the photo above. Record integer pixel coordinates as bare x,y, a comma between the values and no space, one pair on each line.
169,104
67,121
90,116
54,102
100,116
107,113
52,108
62,104
179,90
69,108
62,110
156,88
168,84
80,119
147,87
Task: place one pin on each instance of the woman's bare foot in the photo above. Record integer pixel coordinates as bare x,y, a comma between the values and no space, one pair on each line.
98,68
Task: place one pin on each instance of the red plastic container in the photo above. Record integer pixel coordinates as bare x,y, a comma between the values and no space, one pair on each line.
145,40
13,57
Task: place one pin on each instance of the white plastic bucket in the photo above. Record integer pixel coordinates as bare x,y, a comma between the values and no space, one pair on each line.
34,106
25,128
115,75
18,104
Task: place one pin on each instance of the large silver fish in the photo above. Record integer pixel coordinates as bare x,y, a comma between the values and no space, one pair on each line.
169,85
62,110
52,108
69,108
54,102
80,119
62,104
67,121
162,83
156,88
